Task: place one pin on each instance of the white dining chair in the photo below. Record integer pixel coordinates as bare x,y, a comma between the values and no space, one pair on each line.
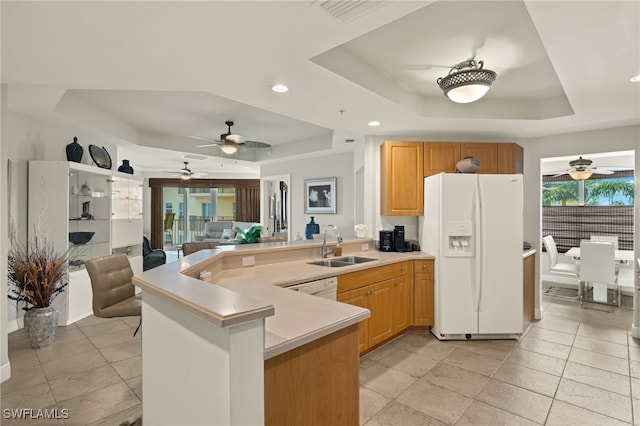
598,272
570,269
610,238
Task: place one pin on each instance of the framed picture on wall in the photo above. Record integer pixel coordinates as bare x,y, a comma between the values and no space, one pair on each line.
320,195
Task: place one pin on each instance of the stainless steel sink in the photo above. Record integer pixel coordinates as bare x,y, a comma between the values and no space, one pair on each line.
355,259
341,261
331,263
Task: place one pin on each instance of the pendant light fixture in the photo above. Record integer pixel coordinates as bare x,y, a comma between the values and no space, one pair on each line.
467,82
580,174
229,148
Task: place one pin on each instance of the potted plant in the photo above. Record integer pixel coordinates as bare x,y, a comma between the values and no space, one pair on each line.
36,275
251,235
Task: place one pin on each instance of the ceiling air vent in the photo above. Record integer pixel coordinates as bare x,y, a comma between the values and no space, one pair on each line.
348,10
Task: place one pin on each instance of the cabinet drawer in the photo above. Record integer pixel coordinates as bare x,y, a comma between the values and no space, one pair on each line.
423,266
402,268
353,280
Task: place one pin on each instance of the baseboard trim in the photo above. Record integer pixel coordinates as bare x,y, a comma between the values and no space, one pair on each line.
538,313
5,372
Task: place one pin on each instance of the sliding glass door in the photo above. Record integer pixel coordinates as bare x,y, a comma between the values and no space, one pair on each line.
187,209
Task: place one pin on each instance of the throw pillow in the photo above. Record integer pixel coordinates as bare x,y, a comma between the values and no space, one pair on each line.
228,234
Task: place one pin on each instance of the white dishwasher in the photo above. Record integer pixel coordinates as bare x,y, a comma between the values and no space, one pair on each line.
326,287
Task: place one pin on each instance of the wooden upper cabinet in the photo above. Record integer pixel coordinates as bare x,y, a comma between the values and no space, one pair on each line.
510,158
440,157
401,175
487,153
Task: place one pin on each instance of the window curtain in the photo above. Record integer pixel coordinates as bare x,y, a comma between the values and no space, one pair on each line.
248,204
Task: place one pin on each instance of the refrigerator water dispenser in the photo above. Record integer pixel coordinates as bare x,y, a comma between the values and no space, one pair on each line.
459,239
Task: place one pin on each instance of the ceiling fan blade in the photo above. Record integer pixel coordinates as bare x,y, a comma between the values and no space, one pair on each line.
204,139
208,144
255,144
602,171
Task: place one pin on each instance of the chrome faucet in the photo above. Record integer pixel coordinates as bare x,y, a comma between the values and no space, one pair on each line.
326,251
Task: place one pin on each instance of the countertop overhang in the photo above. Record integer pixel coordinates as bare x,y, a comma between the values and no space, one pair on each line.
236,295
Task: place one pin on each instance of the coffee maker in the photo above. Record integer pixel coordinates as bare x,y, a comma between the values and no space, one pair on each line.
386,240
398,238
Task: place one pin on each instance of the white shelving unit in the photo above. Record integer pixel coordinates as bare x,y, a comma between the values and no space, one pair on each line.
69,197
126,218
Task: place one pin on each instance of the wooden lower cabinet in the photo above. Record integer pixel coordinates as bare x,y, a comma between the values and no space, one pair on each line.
402,303
423,292
380,298
358,297
387,292
528,291
315,384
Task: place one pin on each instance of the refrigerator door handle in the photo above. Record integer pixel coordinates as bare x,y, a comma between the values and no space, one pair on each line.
482,224
476,281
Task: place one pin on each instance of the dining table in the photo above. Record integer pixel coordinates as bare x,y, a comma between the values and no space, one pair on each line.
622,256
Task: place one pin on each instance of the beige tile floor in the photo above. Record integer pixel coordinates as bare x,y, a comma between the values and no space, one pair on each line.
93,369
574,367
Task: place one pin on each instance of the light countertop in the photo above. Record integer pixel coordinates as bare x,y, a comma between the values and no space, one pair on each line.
240,294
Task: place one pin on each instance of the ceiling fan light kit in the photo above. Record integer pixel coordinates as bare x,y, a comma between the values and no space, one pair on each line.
580,174
467,82
229,149
230,143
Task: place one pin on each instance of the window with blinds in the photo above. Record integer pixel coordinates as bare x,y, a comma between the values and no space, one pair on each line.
602,205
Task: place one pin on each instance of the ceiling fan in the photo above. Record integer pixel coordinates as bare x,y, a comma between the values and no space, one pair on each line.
229,142
186,173
581,169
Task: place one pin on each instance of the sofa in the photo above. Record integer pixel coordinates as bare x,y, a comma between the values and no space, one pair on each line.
222,231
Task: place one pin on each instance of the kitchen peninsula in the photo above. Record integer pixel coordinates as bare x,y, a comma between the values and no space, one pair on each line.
248,349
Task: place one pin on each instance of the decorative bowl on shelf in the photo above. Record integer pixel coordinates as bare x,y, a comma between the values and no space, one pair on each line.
80,237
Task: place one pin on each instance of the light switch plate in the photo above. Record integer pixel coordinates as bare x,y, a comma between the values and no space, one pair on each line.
365,247
248,261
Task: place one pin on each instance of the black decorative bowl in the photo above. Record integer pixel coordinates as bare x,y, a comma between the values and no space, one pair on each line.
80,237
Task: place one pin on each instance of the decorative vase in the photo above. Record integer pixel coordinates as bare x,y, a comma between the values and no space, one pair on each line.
125,167
40,326
312,228
468,165
74,151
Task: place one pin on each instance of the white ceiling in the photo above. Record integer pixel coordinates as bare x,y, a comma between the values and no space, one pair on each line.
153,73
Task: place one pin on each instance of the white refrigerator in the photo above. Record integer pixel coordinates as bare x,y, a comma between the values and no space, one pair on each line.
472,224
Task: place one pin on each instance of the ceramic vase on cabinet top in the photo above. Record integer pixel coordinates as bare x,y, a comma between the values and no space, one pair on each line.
468,165
125,167
74,151
312,228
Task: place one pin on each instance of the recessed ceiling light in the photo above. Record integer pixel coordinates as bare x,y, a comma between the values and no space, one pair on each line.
635,78
280,88
374,123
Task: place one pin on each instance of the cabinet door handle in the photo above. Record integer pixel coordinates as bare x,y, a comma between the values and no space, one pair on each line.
369,292
424,266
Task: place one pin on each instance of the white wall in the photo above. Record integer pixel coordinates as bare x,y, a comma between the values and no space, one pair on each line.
340,166
5,368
